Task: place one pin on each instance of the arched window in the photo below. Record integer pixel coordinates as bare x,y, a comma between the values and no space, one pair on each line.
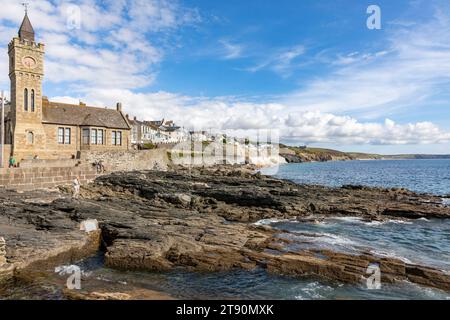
25,99
32,100
30,137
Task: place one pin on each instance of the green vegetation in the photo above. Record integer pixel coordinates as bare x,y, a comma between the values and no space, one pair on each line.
148,146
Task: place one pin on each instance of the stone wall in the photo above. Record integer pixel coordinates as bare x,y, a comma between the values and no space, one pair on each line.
38,174
44,163
7,150
128,160
38,178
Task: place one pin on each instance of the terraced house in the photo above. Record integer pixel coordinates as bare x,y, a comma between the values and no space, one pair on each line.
39,128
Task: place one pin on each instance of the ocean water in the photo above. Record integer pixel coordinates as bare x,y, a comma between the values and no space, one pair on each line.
424,242
425,176
180,284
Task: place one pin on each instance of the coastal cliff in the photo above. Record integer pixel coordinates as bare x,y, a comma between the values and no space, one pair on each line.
303,154
204,220
299,155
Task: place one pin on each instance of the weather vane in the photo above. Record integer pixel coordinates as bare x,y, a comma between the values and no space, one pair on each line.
25,5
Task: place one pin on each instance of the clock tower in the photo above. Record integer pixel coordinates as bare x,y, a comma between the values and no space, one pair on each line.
26,72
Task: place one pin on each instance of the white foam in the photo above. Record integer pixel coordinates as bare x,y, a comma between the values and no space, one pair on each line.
327,238
335,239
374,223
314,290
400,222
349,219
390,254
267,222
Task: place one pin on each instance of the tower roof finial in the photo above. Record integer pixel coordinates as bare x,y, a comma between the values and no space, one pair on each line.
25,5
26,30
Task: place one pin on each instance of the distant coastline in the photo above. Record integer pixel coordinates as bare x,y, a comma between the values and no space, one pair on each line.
302,154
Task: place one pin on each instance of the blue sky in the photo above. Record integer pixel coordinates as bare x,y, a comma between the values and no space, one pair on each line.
310,69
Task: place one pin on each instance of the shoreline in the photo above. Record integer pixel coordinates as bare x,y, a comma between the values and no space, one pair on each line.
203,220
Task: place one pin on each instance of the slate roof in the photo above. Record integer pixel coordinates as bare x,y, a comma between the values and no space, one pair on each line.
76,115
26,30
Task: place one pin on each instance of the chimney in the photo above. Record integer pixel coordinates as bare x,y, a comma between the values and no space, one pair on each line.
119,106
135,118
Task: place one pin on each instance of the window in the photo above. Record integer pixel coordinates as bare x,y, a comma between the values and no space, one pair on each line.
30,138
113,138
85,136
64,135
32,100
116,138
25,99
100,137
93,136
119,138
67,136
61,135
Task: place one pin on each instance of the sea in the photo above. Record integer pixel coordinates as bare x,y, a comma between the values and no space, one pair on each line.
424,241
423,176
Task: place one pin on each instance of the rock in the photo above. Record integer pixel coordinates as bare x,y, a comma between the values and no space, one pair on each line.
89,225
134,294
292,158
76,295
2,251
202,219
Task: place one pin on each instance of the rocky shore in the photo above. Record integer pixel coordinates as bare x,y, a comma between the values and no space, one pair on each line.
204,220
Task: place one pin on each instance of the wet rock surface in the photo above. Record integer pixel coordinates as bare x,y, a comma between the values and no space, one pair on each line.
203,220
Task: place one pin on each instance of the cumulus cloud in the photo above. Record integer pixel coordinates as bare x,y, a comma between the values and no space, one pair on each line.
244,118
110,48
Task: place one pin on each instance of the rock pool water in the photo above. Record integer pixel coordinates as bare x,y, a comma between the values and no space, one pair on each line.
423,241
230,285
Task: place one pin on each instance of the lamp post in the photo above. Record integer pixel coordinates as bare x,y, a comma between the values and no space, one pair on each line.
2,131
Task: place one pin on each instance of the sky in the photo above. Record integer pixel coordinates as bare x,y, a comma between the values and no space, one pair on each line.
311,70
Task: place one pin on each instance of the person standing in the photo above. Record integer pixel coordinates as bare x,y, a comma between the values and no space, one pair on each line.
12,162
76,187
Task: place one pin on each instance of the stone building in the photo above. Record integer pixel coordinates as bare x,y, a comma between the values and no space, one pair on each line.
155,132
39,128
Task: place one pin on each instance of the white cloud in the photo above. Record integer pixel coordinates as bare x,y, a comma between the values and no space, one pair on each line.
282,61
231,50
411,71
243,117
111,49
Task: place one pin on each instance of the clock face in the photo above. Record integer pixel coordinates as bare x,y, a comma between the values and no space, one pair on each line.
29,62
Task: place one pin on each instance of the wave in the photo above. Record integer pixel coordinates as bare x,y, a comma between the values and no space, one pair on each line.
324,238
314,290
348,219
400,221
390,254
267,222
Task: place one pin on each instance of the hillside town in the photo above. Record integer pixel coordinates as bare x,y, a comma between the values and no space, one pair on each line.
39,132
35,128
